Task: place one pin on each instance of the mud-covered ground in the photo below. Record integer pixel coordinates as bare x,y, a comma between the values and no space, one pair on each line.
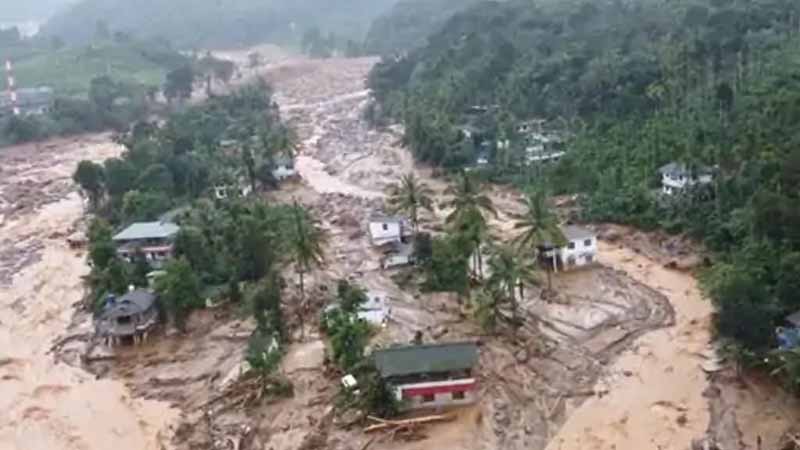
46,403
614,362
533,383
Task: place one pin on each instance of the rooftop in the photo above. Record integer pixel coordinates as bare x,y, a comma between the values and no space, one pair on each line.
678,169
575,233
422,359
147,230
132,303
794,319
284,160
387,219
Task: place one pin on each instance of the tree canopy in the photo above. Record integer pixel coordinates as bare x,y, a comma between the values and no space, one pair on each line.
630,87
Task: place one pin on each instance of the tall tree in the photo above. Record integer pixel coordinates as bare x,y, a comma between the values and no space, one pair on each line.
102,92
90,176
306,246
539,226
179,83
510,272
179,291
469,206
409,195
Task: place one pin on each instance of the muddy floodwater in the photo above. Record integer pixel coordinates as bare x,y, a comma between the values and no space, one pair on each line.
49,405
660,405
614,362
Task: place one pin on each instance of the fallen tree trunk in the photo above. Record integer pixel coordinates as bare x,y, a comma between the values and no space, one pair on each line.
399,424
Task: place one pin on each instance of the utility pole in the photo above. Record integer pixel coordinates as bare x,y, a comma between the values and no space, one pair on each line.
10,86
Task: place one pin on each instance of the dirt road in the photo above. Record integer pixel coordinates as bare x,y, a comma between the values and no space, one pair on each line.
49,405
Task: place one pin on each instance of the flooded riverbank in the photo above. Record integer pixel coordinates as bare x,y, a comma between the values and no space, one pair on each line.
49,405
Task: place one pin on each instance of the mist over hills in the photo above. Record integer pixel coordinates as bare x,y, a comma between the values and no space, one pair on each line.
218,23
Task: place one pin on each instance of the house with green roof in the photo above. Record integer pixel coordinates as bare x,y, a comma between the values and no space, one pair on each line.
430,375
153,239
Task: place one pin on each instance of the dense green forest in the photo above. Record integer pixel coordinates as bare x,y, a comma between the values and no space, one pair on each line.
408,24
213,23
637,85
233,248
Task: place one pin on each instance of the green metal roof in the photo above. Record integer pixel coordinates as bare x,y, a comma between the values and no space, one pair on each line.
147,230
430,358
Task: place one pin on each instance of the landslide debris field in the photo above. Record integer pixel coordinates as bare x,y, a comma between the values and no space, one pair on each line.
613,362
47,404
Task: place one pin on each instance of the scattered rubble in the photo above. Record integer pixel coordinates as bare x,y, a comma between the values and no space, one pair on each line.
579,374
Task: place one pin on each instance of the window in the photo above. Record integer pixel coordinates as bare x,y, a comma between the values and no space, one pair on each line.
571,261
124,320
571,246
587,243
385,226
589,259
458,395
428,398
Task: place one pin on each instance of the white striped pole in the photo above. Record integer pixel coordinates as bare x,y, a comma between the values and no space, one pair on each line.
12,90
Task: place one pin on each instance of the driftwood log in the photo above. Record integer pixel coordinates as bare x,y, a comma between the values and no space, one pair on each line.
395,425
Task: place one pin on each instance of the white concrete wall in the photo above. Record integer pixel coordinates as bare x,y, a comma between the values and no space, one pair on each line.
440,399
396,260
384,232
671,185
582,253
283,172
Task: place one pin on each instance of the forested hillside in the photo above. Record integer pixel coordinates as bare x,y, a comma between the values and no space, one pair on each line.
638,84
408,24
212,23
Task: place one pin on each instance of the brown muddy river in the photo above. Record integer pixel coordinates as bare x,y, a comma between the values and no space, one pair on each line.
49,405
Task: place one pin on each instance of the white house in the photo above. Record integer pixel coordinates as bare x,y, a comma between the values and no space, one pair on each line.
283,169
225,191
580,249
385,229
531,126
676,177
375,311
153,239
398,254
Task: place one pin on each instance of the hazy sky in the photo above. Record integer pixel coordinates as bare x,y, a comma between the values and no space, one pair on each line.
25,10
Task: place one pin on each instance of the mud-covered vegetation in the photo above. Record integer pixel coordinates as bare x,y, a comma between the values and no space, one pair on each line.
637,85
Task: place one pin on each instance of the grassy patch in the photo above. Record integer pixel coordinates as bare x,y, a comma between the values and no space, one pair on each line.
69,71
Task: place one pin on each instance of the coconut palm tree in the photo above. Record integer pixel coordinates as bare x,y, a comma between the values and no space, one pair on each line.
486,308
539,226
509,274
306,246
409,195
469,206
